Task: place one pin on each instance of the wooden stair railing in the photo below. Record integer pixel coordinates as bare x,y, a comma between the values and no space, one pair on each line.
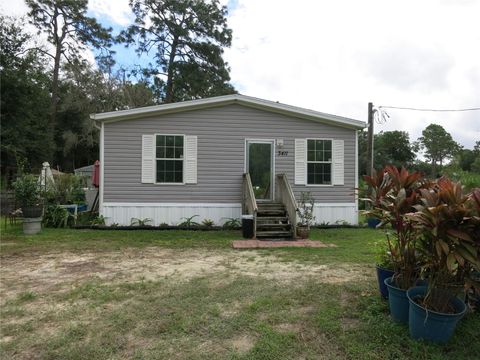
286,196
249,203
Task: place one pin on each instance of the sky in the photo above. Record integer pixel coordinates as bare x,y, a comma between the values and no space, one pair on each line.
336,56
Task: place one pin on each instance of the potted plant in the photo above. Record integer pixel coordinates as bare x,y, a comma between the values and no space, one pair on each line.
27,195
450,254
394,193
472,283
384,267
305,214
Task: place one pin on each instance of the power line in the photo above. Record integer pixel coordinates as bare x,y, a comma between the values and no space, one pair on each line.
436,110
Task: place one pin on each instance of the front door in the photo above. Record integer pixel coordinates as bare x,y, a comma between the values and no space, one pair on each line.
260,166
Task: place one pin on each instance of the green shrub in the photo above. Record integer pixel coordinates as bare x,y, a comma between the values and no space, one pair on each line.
140,222
208,222
468,179
57,217
188,221
98,220
68,189
232,223
27,190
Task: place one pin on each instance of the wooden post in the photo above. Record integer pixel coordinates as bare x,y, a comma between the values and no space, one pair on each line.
370,140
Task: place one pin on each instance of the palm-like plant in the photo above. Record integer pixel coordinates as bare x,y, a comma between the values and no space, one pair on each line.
447,224
394,193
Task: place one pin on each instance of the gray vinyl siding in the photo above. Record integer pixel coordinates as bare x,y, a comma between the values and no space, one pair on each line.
221,135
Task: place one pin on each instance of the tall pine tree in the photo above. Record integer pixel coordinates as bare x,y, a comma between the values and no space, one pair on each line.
187,37
70,31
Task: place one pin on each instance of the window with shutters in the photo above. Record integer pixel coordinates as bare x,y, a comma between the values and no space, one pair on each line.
319,162
169,158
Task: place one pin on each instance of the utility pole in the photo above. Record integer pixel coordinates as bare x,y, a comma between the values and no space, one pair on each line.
370,140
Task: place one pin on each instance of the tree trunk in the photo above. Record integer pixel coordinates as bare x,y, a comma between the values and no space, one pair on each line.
169,89
58,40
56,71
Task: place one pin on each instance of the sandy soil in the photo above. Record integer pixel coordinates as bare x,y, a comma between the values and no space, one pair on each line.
42,273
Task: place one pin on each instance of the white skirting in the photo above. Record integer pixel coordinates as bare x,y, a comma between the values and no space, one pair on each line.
169,213
172,213
336,213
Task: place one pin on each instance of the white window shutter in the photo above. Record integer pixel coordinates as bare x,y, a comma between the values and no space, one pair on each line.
300,161
148,166
190,160
338,162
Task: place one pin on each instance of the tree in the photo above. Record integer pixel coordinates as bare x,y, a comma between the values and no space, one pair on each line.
188,37
390,148
438,145
393,148
87,90
465,158
363,161
69,30
475,166
25,99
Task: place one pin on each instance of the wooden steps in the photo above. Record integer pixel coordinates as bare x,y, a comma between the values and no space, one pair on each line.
272,222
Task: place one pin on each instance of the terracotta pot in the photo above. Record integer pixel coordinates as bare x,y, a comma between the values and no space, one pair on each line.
303,231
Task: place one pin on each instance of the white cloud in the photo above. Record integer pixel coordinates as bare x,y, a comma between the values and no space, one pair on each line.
19,8
116,11
14,8
338,56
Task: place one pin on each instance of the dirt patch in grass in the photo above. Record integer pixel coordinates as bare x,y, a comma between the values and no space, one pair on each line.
349,323
243,343
289,328
53,272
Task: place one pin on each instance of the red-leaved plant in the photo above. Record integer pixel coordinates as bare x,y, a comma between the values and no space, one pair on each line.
394,193
446,223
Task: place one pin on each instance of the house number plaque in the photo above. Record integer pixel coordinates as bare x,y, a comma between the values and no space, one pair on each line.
282,153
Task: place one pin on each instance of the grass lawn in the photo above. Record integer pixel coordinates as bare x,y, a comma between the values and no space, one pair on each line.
86,294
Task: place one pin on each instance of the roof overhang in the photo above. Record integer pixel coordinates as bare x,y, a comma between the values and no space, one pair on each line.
252,102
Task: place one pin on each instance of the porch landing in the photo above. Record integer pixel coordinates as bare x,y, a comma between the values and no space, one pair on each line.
255,244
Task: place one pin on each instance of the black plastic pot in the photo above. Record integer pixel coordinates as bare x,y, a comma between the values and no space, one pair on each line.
32,211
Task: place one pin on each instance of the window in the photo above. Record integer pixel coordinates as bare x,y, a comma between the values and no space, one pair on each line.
319,162
169,158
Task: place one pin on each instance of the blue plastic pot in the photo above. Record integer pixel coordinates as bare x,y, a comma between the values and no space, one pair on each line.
398,301
382,274
431,325
373,222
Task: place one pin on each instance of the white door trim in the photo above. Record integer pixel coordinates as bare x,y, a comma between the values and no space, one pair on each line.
245,165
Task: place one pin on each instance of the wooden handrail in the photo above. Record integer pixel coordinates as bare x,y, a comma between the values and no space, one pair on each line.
287,197
249,203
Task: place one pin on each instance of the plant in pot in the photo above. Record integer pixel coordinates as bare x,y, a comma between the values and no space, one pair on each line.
384,267
305,214
472,283
394,193
27,195
450,255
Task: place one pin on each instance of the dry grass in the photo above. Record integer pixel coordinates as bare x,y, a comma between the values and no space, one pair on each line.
158,301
